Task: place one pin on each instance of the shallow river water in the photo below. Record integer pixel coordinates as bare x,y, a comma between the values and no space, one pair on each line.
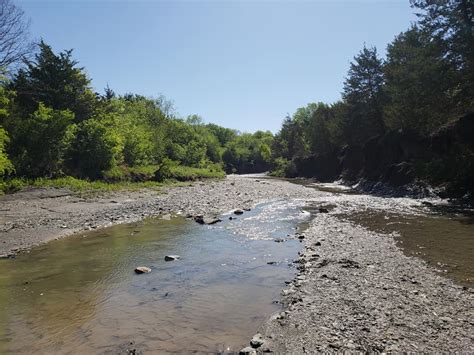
81,295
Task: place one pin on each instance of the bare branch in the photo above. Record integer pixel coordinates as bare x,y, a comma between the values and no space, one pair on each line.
15,45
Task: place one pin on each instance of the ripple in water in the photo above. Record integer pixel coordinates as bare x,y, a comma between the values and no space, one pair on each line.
80,294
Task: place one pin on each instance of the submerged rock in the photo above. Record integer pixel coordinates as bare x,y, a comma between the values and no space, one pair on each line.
142,270
172,257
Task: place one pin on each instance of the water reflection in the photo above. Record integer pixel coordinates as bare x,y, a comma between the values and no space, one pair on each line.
80,294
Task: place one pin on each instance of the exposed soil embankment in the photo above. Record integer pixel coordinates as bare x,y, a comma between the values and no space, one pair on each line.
403,162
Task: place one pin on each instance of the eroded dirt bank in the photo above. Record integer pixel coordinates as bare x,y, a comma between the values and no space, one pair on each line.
355,291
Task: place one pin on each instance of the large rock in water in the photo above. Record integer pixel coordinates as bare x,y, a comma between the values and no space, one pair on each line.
142,270
172,257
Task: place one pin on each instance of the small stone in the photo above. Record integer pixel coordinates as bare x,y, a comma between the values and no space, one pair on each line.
238,211
211,220
247,351
172,257
257,341
142,270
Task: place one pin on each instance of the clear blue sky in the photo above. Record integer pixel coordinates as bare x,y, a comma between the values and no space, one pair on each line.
240,64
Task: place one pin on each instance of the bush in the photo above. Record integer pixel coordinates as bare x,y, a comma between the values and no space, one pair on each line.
284,168
93,149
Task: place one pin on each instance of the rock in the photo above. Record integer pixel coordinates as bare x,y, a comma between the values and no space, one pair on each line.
247,351
172,257
238,211
257,341
166,217
206,220
317,244
142,270
211,220
279,240
247,209
300,237
199,219
323,210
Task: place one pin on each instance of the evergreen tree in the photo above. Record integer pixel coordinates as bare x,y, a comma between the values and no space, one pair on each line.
363,93
57,82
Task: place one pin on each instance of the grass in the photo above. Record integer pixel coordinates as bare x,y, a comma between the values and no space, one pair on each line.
130,179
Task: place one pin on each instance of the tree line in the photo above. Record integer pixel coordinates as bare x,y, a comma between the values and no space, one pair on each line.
53,124
425,82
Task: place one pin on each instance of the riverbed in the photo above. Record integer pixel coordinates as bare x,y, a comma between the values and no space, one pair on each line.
81,294
373,273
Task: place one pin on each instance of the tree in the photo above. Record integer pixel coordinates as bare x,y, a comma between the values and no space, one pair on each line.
363,93
452,21
39,141
57,82
93,148
419,83
14,31
6,165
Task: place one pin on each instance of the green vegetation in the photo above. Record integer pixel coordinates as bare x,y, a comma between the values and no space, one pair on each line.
425,83
54,126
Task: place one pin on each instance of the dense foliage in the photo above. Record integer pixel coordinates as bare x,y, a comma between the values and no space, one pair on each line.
425,82
52,124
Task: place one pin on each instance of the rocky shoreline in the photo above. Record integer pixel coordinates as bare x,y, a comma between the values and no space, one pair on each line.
355,289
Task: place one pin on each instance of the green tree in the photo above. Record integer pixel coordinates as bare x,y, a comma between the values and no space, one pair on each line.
363,93
93,148
452,21
38,141
418,83
57,82
6,165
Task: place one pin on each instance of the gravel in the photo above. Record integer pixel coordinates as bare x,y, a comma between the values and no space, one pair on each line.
355,290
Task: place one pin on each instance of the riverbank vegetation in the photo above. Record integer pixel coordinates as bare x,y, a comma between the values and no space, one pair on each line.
401,119
53,125
404,117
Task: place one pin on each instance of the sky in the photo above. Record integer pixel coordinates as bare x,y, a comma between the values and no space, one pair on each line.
240,64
